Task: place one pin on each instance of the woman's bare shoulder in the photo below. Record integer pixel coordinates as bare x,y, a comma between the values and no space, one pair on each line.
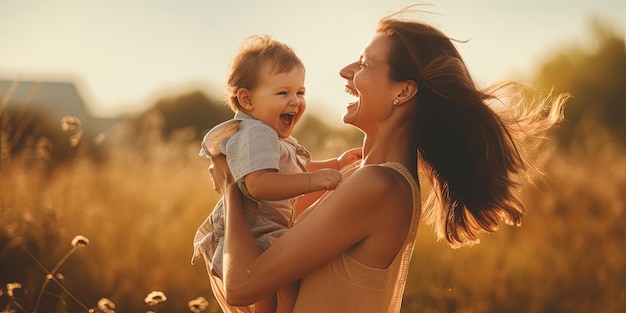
375,178
373,184
381,208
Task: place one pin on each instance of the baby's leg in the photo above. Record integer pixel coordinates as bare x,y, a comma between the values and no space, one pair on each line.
266,305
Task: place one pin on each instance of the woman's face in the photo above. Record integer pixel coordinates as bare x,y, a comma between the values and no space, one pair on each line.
368,81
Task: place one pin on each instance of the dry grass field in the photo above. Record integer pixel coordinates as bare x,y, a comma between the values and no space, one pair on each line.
139,210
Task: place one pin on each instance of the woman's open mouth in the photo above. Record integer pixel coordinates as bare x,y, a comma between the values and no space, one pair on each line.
351,91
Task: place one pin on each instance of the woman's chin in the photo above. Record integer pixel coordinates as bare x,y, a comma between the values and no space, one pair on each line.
346,119
348,116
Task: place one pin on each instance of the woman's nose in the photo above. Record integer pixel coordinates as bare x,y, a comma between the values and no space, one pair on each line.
348,71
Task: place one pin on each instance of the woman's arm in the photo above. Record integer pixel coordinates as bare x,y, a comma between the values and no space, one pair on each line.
346,218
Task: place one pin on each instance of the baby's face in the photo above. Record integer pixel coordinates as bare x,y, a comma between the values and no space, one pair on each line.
278,99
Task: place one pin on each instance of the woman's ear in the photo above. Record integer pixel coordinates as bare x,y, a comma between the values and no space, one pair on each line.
245,99
409,91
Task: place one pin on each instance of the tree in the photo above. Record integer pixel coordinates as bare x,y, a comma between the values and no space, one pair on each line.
597,80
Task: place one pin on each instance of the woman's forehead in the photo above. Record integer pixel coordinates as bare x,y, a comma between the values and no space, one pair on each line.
376,50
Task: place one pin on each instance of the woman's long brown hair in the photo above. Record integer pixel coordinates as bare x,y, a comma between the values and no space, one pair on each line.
472,155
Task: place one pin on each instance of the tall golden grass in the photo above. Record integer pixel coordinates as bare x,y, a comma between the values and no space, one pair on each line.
140,208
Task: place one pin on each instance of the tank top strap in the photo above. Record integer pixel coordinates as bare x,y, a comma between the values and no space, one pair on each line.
416,208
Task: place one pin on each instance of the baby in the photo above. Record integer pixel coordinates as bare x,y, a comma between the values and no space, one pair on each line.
266,92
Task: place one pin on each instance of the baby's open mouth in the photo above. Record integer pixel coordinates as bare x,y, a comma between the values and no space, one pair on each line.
287,118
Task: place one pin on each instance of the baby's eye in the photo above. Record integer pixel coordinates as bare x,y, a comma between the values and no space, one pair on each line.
282,93
301,93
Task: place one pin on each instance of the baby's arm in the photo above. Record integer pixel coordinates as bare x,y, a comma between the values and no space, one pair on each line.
271,185
345,159
338,163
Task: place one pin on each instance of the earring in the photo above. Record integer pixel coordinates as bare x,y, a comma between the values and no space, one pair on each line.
396,102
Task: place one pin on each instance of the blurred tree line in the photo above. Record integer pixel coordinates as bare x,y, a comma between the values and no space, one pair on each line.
595,74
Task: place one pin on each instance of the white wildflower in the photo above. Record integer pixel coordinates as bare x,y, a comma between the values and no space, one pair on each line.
70,123
11,287
80,241
106,305
198,305
155,298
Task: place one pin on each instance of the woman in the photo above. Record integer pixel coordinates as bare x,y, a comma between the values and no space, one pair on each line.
416,104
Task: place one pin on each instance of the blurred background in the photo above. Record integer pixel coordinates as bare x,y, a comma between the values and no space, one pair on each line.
103,105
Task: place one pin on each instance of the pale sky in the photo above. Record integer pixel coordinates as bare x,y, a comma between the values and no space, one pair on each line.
124,55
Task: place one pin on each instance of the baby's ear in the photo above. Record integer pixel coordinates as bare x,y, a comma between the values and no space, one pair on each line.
245,99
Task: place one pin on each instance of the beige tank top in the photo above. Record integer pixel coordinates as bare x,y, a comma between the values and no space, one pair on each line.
346,285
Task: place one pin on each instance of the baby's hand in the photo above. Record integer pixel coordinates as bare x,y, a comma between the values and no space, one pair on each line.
349,157
325,179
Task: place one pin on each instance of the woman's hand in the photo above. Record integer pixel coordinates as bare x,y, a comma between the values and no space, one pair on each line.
220,173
